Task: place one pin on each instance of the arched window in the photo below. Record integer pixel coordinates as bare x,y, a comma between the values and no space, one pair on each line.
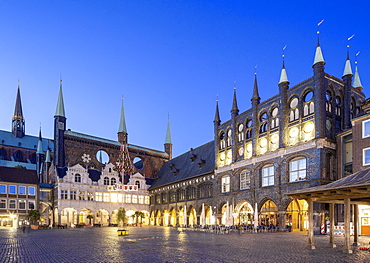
229,137
225,184
77,178
222,141
248,133
18,156
263,122
294,112
308,107
138,184
106,181
274,118
338,106
297,170
268,173
245,180
3,155
113,181
241,132
328,101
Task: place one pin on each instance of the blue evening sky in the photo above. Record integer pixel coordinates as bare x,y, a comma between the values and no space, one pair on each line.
164,57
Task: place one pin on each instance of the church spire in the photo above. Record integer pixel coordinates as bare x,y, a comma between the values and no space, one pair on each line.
60,105
168,141
255,96
318,54
39,144
283,75
234,109
18,123
217,119
356,81
122,130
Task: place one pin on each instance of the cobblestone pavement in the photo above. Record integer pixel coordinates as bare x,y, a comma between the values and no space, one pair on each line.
164,244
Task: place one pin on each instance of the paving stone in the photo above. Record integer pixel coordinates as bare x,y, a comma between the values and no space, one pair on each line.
165,244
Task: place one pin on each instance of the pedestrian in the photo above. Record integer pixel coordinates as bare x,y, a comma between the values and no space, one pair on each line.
23,227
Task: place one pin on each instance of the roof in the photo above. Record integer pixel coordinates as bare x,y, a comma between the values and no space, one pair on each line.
193,163
18,175
94,174
108,141
27,142
355,186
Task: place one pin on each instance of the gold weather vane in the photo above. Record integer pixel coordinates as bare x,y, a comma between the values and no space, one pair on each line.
284,51
318,28
255,69
358,53
234,84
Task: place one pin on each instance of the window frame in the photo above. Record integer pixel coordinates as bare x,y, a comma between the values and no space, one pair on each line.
364,151
31,190
12,189
3,186
245,180
298,170
268,177
364,129
225,184
3,204
23,191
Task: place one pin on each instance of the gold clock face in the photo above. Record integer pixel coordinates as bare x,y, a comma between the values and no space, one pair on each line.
274,139
263,142
308,127
222,156
293,132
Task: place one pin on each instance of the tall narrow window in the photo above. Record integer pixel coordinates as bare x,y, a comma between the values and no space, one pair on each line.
222,141
77,178
328,102
263,123
106,181
294,112
297,170
113,181
245,180
241,132
225,184
138,184
365,129
274,118
268,175
308,107
2,203
229,138
248,133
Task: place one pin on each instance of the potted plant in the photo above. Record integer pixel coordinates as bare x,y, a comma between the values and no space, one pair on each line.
34,216
121,219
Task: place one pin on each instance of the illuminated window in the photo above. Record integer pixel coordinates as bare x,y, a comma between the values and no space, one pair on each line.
245,180
146,200
298,170
90,196
225,184
268,175
106,197
81,195
141,199
134,199
128,198
99,196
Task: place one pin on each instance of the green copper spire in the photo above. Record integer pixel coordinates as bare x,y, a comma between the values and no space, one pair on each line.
39,144
48,158
168,134
60,106
122,123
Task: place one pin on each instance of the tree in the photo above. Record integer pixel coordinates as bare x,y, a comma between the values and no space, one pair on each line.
34,216
89,217
121,216
139,214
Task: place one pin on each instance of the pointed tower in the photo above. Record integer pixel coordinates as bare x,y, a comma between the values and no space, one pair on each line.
40,158
216,124
356,80
234,113
168,141
319,91
255,102
18,123
59,130
122,130
283,111
347,79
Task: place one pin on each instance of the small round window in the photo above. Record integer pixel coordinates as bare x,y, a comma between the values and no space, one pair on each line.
102,157
293,103
138,163
275,112
308,96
